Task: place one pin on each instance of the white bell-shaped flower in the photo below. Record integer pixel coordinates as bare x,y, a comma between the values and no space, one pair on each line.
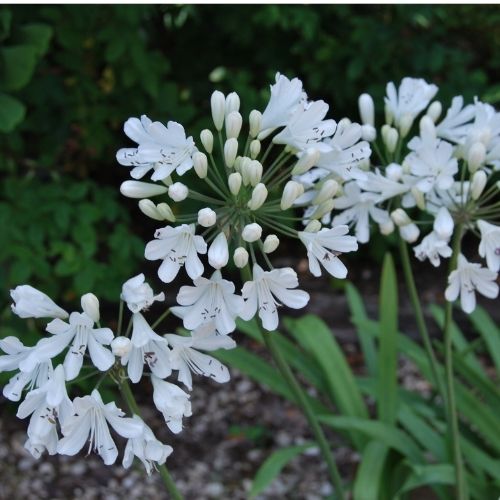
32,303
138,294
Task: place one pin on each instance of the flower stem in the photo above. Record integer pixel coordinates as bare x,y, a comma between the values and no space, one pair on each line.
454,434
419,316
134,408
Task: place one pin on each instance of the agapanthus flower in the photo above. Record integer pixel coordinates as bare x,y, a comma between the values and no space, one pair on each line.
32,303
138,294
489,246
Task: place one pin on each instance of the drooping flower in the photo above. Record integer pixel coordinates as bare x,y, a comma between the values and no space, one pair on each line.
177,247
209,300
325,246
267,291
489,246
466,279
90,422
138,294
32,303
432,247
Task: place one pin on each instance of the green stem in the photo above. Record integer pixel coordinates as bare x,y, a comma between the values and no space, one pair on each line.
160,319
454,434
134,408
120,318
419,316
302,401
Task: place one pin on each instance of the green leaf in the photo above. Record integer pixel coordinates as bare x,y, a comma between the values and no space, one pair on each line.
367,484
388,349
489,331
12,113
37,35
18,63
5,20
273,466
425,475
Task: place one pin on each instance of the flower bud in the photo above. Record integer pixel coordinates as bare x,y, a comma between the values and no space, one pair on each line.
254,149
234,183
390,138
386,227
218,253
366,109
90,306
167,180
325,208
291,192
121,346
327,191
166,212
178,191
234,122
419,197
148,208
368,133
207,139
394,172
206,217
200,164
271,243
443,224
218,105
138,189
400,217
476,156
313,226
255,120
434,111
427,127
478,184
405,124
240,257
230,151
232,103
410,232
308,160
259,196
254,172
389,117
251,232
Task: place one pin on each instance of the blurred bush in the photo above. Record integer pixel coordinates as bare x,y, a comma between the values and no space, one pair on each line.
71,75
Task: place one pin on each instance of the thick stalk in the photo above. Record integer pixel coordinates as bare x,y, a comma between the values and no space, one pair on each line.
419,316
453,430
301,399
165,475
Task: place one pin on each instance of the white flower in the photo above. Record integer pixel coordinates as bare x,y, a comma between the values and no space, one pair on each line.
90,420
149,450
489,247
146,347
443,224
80,333
325,246
260,295
285,97
412,97
177,246
138,294
466,279
218,253
172,401
456,123
432,247
209,300
90,306
307,128
357,208
385,187
31,303
178,191
186,358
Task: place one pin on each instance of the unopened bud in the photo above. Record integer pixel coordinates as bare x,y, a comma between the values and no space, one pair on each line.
410,232
366,109
368,133
121,346
207,139
434,111
251,232
400,217
232,103
394,172
443,224
148,208
234,122
313,226
218,105
167,180
259,196
206,217
254,172
178,191
234,183
166,212
200,164
271,243
427,127
419,197
386,227
218,253
405,124
90,306
138,189
327,191
325,208
291,192
478,184
254,149
240,257
308,160
230,151
255,120
390,138
476,156
389,117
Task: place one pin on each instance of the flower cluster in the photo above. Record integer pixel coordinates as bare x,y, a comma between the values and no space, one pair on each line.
245,204
444,177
